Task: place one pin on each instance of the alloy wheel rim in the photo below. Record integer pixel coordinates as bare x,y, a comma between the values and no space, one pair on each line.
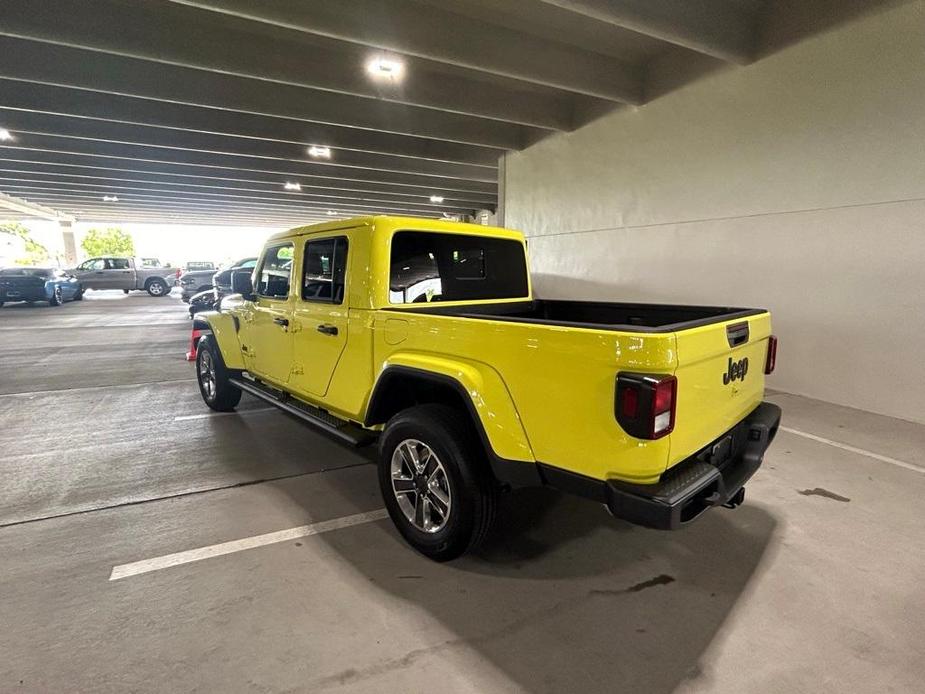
207,375
421,486
157,289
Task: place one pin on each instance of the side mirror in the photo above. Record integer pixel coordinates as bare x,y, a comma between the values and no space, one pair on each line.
242,284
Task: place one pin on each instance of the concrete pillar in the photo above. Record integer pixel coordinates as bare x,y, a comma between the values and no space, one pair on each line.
502,176
70,245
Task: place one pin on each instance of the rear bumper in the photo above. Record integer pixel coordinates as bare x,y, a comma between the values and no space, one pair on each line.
713,477
27,294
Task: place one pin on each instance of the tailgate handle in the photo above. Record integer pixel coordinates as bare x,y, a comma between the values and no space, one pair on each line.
737,334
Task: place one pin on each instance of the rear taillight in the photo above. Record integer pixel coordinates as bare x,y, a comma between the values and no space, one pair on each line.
771,361
645,404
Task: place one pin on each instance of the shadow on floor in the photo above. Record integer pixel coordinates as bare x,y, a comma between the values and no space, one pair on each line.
565,598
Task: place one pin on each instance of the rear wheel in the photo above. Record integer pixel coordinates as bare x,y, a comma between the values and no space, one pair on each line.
157,287
435,481
125,291
57,298
216,390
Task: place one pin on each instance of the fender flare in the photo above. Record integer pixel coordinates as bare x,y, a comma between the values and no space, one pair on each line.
487,399
224,328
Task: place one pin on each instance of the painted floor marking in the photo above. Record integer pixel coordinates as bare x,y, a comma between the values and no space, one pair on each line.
192,555
859,451
208,415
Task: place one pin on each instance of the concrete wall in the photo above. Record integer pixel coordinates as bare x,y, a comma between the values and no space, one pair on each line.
796,184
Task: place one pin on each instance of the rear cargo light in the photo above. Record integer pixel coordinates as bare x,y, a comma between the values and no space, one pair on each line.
772,355
645,404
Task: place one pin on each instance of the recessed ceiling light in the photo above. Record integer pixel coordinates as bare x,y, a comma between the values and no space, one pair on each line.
436,199
331,213
383,68
292,186
319,152
5,135
110,198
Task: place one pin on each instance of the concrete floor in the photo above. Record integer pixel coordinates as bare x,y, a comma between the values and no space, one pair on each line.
815,585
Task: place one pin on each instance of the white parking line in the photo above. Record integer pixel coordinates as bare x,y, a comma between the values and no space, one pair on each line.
207,415
168,560
859,451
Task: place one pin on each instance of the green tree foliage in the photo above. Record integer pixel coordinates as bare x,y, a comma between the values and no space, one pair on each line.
35,253
111,241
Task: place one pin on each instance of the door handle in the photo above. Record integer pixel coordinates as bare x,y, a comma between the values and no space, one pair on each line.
284,322
327,329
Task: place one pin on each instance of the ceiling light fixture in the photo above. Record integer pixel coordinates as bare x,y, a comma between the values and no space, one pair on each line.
319,152
110,198
437,199
5,135
331,213
382,68
292,186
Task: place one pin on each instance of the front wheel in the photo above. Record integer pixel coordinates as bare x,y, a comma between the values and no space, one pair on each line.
435,481
216,390
158,287
57,298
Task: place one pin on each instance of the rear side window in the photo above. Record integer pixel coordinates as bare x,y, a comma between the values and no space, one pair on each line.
325,270
273,278
429,266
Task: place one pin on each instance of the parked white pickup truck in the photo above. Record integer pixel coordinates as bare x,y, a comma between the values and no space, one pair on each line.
110,272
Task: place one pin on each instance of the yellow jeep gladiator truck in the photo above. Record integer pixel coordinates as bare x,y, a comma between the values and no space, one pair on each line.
424,336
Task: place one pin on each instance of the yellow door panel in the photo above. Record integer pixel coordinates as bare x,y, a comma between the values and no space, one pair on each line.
269,340
320,324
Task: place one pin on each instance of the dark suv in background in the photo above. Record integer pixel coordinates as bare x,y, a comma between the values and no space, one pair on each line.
209,298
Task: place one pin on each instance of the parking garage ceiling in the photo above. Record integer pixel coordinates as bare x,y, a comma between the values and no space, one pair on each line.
281,112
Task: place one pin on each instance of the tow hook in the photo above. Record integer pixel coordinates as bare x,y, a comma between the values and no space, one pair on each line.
736,499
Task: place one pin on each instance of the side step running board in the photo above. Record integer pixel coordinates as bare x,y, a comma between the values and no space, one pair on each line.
338,428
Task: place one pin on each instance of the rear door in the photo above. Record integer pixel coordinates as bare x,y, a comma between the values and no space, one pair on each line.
720,380
119,274
320,313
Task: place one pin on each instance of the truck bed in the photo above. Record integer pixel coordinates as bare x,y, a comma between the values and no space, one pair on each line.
599,315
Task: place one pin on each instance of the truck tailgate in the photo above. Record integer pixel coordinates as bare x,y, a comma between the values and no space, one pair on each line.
720,380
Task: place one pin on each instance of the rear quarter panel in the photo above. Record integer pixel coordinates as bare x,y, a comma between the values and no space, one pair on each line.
560,383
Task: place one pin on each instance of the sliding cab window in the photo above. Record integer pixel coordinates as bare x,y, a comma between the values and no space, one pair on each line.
430,266
275,271
324,270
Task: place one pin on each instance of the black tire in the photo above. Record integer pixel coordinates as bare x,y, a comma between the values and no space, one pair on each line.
157,287
223,397
57,298
473,491
125,291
